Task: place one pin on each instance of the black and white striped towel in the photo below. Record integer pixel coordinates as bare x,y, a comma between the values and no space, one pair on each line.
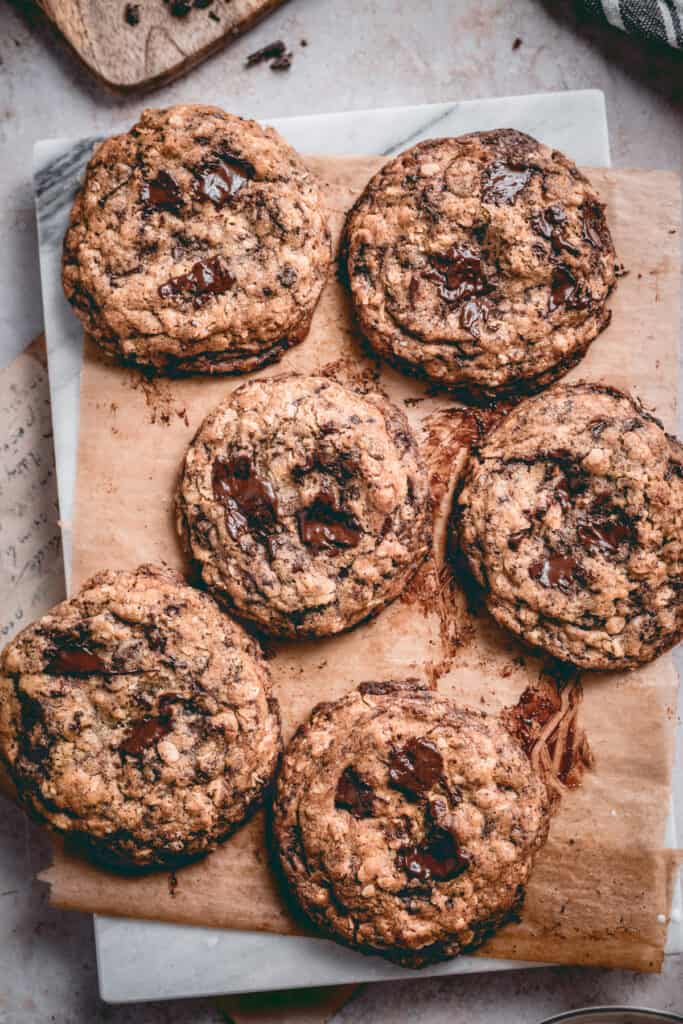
661,20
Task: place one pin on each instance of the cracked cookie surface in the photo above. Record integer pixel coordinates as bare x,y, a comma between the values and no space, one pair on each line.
571,518
482,262
137,718
407,825
198,243
305,504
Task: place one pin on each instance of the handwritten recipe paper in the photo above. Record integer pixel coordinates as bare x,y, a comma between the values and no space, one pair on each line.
601,889
31,569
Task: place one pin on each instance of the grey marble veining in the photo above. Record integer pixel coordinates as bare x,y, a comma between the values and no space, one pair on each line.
142,960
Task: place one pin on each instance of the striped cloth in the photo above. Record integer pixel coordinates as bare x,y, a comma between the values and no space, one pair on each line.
659,20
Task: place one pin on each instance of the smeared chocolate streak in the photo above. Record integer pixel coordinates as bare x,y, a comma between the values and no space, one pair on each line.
545,720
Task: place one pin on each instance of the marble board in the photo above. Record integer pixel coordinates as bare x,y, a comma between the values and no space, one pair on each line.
160,960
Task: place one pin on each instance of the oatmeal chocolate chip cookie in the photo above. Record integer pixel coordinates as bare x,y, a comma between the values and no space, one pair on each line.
406,825
137,718
482,262
305,504
571,519
198,243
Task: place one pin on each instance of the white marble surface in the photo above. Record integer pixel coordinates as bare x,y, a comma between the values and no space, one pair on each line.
388,52
572,121
160,959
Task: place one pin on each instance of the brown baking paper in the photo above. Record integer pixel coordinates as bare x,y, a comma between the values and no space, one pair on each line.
604,877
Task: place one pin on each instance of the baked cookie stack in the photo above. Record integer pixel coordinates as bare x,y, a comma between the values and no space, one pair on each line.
138,718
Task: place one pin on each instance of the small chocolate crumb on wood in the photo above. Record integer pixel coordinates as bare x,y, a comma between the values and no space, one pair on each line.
517,43
276,49
131,14
181,8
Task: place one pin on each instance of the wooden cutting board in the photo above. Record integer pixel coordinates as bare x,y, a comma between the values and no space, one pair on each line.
160,46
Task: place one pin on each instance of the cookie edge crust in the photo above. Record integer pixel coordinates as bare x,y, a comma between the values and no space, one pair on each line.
207,360
282,626
123,856
288,881
476,577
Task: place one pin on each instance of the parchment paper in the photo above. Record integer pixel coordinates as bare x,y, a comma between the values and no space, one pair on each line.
601,890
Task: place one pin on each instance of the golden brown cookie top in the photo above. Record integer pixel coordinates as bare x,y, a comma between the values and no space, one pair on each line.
405,824
483,262
198,242
137,718
305,504
571,518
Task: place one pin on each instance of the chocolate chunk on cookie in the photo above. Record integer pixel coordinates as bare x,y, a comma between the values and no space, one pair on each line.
571,518
137,719
406,825
197,244
305,504
482,262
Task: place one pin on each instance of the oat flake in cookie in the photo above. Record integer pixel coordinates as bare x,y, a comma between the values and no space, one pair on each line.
305,504
406,825
482,262
137,718
198,243
571,518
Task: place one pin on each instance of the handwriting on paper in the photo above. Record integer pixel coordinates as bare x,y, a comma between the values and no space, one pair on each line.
31,570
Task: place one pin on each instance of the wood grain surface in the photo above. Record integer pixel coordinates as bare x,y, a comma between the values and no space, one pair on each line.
160,47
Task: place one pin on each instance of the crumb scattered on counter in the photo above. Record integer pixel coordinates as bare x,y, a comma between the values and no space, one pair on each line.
276,53
282,63
517,43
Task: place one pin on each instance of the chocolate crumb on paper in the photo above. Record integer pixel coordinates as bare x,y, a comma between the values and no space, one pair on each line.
160,400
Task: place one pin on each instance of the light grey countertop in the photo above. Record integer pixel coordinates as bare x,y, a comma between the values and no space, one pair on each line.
359,55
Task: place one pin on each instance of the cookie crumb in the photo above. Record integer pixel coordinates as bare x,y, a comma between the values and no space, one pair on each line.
131,14
272,50
282,63
517,43
276,53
